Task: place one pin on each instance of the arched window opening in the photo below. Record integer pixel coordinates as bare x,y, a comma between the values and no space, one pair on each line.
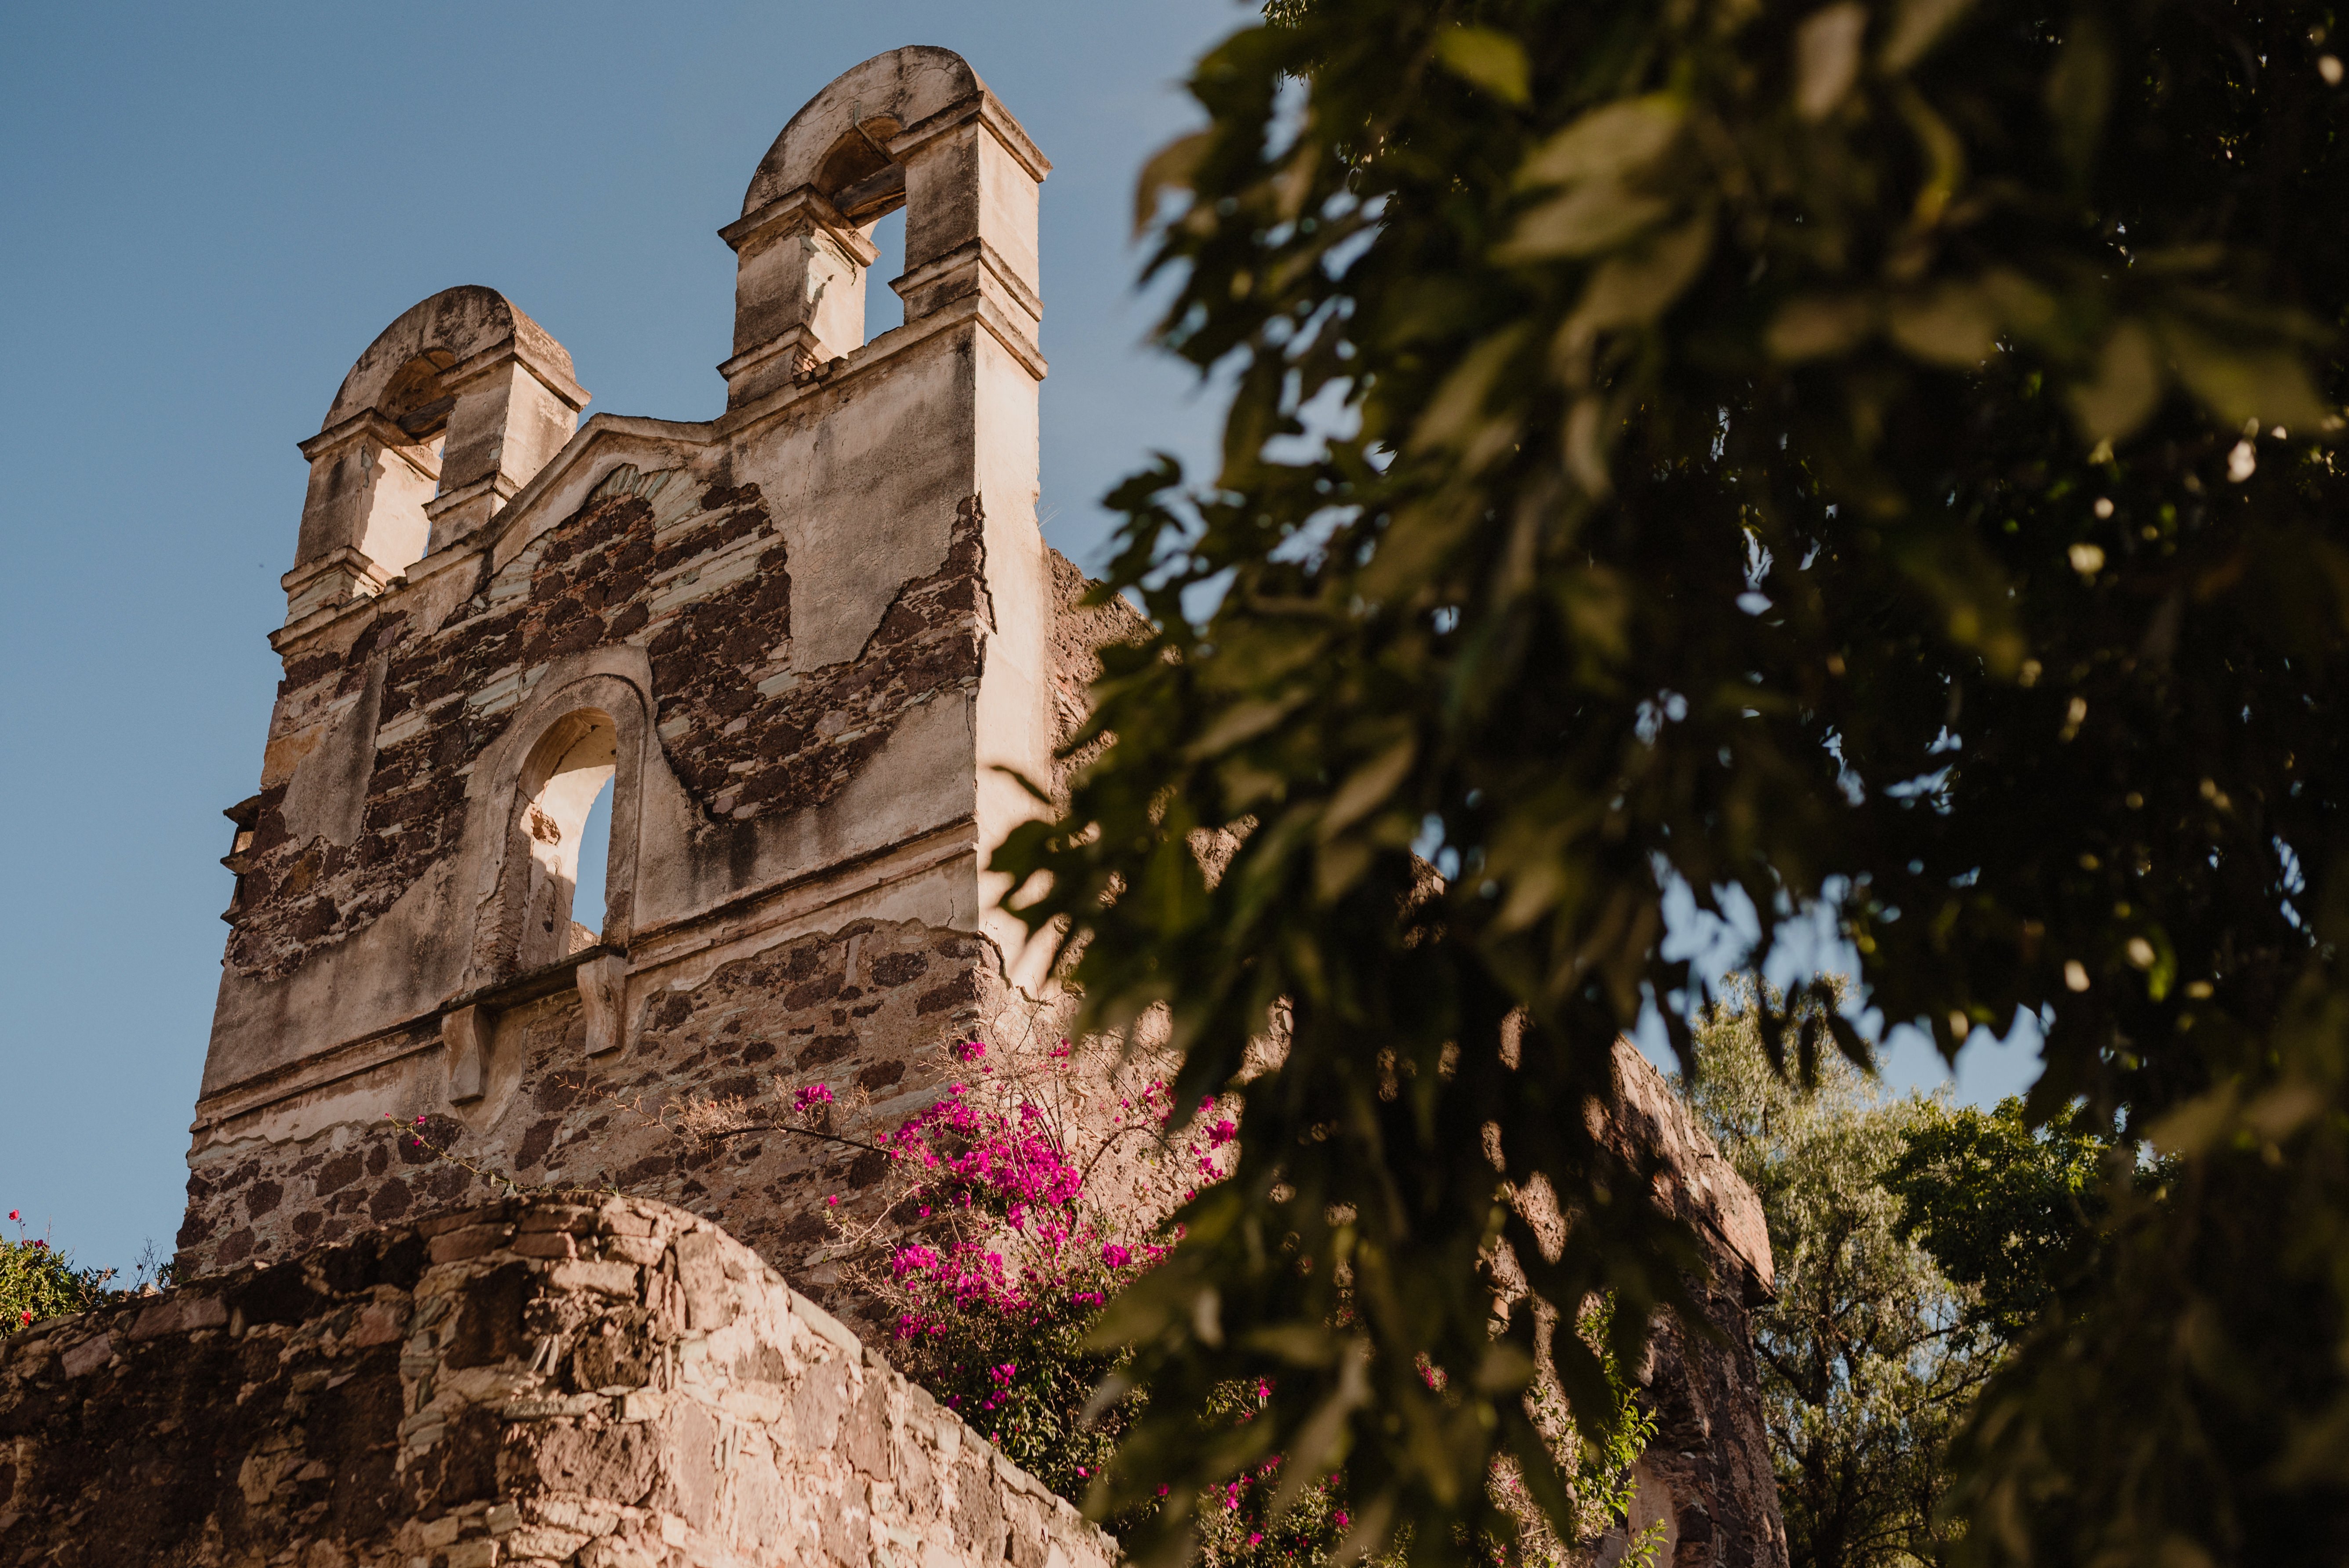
571,767
884,311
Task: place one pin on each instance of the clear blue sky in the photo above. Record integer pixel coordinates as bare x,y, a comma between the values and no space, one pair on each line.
209,212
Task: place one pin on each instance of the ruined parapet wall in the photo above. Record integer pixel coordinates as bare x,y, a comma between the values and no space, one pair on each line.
1707,1476
799,642
605,1385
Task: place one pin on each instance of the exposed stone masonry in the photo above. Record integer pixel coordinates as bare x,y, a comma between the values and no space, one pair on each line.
1707,1476
748,736
614,1385
703,585
866,1011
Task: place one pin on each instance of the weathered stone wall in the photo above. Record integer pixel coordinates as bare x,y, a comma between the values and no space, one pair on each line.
868,1011
614,1386
1707,1475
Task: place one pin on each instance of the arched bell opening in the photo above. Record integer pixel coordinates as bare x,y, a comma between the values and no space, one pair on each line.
858,176
867,187
914,132
418,398
449,413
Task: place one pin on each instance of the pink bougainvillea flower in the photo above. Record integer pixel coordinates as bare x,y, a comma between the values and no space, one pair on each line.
1342,1518
969,1050
1115,1257
1255,1538
833,1201
28,1311
814,1094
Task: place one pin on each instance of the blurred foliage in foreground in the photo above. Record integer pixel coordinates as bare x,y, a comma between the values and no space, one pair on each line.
1871,457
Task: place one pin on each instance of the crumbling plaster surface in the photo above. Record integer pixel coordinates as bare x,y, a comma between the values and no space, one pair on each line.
762,726
612,1384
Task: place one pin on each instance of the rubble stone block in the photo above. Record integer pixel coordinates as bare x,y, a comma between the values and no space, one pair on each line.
291,1441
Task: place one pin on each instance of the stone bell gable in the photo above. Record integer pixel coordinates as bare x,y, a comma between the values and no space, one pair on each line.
802,642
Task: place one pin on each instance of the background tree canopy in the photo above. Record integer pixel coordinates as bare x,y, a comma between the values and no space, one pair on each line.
1868,1356
1916,1243
1876,457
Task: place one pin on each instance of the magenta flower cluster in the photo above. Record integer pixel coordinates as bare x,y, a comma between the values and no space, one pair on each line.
1009,1165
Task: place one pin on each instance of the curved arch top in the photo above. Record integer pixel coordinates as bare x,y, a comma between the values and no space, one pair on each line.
460,323
902,87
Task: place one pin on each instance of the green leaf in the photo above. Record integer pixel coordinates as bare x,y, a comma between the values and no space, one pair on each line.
1635,287
1244,721
2080,92
1916,27
1455,416
1955,324
2243,382
1621,139
1587,220
1491,60
1170,168
1819,326
1367,788
1827,57
2125,388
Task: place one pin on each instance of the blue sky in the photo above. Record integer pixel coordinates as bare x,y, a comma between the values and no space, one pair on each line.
209,213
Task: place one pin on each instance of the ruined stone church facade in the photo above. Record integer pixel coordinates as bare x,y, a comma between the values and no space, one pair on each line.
809,647
800,642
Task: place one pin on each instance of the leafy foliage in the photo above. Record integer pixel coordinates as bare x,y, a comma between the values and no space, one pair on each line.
1867,1358
38,1281
2005,1209
1017,1369
1873,459
1030,1197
